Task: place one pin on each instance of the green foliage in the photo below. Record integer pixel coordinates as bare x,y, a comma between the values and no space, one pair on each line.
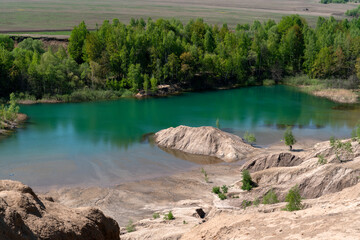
196,55
343,150
169,216
154,84
9,112
6,42
205,175
356,133
270,197
256,202
217,123
77,41
353,12
222,196
156,215
321,159
293,199
245,204
224,189
289,138
249,137
247,183
130,227
216,190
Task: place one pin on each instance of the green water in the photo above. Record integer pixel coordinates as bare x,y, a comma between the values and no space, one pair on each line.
100,143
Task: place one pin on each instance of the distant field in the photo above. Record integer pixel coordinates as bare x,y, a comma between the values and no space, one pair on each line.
47,15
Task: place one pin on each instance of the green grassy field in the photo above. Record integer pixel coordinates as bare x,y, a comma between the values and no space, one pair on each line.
47,15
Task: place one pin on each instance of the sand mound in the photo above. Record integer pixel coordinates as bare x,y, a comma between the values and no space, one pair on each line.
207,141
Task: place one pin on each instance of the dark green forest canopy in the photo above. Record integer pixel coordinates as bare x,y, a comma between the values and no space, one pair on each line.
143,54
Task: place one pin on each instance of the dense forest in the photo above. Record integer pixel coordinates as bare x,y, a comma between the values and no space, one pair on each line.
139,56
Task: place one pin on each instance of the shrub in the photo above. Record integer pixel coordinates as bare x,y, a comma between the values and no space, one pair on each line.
216,190
247,182
130,226
224,188
249,138
342,149
169,216
205,175
356,133
293,199
217,123
322,160
9,113
156,215
222,196
289,138
245,204
268,82
270,197
256,202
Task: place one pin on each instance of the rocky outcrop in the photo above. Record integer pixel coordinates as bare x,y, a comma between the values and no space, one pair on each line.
23,215
273,160
207,141
313,179
7,126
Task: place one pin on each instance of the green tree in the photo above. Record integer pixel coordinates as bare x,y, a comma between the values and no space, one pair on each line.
209,42
154,84
134,76
249,137
293,198
247,182
76,42
270,197
289,138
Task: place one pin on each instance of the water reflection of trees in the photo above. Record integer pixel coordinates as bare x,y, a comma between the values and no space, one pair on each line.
123,122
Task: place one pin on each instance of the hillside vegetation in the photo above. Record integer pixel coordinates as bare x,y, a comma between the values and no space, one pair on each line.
120,58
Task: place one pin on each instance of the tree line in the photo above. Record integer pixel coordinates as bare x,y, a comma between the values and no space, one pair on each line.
143,54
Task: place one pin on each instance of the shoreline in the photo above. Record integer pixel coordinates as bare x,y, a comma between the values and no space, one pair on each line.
12,126
342,96
137,200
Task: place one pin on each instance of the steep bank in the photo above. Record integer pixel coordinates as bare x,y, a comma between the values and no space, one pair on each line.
25,215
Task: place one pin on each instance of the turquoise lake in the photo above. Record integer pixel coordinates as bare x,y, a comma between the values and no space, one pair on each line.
102,143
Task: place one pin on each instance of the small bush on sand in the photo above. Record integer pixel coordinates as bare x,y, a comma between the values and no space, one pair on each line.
247,182
289,138
222,196
156,215
293,199
250,138
169,216
270,197
224,188
321,159
245,204
216,190
130,227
